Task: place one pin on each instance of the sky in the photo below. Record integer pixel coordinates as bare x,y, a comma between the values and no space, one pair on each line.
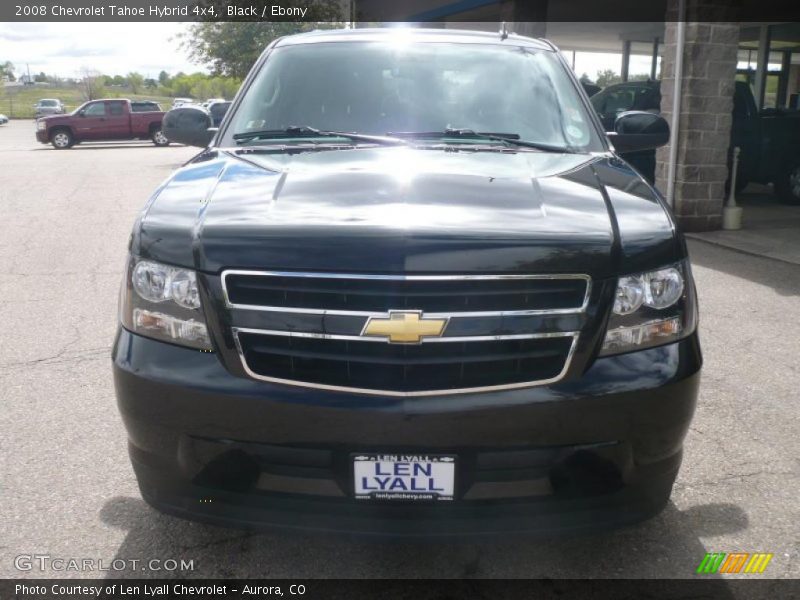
65,49
592,62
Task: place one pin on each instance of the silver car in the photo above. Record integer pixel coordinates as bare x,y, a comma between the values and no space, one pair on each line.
48,106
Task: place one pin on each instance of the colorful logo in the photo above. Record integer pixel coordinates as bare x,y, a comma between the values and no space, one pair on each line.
734,562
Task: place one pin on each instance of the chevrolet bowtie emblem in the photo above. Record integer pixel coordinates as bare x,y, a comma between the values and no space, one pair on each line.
404,327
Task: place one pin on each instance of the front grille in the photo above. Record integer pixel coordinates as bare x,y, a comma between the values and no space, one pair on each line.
404,368
501,331
432,294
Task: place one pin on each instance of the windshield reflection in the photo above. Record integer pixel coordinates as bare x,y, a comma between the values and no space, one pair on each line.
376,88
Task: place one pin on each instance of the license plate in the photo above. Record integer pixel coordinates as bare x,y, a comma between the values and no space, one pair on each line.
404,477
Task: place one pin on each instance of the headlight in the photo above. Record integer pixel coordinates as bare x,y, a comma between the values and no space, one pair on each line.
629,296
40,125
662,288
155,282
651,309
163,302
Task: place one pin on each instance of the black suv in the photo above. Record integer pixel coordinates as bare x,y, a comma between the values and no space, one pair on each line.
408,288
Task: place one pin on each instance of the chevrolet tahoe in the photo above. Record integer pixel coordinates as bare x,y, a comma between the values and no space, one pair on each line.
408,288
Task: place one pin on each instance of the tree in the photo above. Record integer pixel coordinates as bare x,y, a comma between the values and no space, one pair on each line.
182,85
163,78
91,84
231,48
607,77
40,78
7,70
150,83
135,81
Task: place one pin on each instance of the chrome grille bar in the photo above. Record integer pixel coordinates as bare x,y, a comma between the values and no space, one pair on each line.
361,313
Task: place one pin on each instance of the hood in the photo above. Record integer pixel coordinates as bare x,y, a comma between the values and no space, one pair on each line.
53,118
395,210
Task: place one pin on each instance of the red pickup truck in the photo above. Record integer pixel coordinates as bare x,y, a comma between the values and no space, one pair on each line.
101,120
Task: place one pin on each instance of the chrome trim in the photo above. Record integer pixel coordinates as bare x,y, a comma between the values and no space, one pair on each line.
376,392
427,340
439,315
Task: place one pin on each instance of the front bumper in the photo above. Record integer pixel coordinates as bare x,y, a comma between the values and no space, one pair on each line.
41,136
599,450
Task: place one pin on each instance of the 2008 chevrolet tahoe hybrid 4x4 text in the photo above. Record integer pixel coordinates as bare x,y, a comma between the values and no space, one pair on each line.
408,288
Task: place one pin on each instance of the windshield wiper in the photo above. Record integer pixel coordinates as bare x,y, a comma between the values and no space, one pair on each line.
311,132
510,139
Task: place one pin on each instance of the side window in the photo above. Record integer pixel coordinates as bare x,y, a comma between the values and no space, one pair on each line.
219,109
98,109
645,99
619,100
115,109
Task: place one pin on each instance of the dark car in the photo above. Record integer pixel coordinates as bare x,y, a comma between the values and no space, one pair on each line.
103,120
769,139
407,289
217,111
590,88
622,97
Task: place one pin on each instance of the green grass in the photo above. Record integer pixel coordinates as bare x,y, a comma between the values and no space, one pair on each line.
17,102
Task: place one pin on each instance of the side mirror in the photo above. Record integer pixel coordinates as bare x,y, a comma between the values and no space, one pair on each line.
638,130
82,113
188,125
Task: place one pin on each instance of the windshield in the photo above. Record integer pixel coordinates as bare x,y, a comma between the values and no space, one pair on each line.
388,88
48,103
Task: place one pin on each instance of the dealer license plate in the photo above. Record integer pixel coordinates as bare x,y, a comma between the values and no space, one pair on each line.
404,477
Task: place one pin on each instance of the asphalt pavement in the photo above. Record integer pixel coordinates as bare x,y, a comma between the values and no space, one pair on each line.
67,489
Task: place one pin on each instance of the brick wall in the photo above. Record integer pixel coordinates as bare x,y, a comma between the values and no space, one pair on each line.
709,69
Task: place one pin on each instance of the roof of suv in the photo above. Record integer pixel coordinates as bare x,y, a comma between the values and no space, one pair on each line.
417,35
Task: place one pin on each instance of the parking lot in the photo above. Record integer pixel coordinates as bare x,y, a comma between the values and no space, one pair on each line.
67,489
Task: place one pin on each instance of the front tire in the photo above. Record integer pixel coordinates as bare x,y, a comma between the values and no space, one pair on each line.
62,139
158,137
787,185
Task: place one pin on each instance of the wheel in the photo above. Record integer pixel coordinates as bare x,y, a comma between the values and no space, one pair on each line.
61,139
787,184
159,139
